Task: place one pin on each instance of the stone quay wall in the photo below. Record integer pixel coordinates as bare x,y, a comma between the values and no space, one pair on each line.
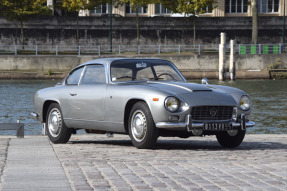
192,66
61,31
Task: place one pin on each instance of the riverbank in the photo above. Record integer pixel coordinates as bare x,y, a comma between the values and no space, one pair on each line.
97,162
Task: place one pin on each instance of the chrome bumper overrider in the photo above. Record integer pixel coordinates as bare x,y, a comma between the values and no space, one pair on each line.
34,115
190,125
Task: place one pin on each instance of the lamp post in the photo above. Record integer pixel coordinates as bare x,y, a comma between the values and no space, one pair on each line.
284,25
111,26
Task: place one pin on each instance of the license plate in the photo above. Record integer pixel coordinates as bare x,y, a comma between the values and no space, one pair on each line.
217,126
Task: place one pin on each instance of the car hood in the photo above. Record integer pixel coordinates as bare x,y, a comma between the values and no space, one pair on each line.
197,94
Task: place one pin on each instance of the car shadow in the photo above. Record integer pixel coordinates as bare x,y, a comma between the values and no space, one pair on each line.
190,145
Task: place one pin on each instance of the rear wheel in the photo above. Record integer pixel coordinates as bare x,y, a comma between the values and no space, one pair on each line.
57,131
142,130
228,141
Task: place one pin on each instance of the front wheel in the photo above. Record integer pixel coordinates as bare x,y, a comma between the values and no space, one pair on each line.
57,131
142,130
228,141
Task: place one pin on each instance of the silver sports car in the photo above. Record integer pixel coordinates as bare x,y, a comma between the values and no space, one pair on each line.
144,98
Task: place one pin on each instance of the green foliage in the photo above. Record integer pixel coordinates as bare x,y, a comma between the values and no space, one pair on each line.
23,10
136,3
189,6
77,5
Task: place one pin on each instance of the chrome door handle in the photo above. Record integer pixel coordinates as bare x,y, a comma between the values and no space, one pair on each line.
73,94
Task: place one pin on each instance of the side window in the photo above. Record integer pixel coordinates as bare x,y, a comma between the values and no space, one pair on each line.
74,77
94,74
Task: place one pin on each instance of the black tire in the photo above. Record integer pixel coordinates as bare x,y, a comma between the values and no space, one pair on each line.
142,130
228,141
56,128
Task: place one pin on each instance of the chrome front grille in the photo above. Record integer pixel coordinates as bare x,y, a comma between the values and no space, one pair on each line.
211,113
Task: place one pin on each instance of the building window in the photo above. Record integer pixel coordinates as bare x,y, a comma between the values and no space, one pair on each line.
101,9
160,9
141,10
268,6
208,9
236,6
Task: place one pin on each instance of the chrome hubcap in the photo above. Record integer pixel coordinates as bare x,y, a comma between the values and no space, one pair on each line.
139,126
54,122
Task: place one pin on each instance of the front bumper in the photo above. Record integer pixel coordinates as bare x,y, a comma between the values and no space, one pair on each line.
190,126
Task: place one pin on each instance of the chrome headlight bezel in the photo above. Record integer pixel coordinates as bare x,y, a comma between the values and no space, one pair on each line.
245,103
171,104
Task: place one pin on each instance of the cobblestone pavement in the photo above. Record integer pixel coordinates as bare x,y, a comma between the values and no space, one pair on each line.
96,162
4,143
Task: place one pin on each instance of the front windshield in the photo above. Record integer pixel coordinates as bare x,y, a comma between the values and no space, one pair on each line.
144,70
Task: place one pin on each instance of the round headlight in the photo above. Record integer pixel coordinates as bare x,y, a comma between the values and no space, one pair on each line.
245,103
171,104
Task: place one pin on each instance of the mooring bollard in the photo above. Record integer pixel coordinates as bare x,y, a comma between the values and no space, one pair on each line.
222,57
232,67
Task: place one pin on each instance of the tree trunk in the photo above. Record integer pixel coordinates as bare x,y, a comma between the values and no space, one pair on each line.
138,29
254,21
22,34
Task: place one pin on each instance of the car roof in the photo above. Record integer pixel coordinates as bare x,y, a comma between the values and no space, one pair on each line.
108,61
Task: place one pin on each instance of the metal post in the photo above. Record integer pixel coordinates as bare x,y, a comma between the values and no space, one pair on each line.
99,48
158,49
119,49
36,50
139,49
178,49
280,50
15,48
111,26
239,49
79,51
198,49
56,50
259,49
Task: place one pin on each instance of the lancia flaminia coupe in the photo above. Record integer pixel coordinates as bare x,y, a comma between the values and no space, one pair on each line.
144,98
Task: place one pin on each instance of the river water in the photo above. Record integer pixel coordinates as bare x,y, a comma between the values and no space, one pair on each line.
268,96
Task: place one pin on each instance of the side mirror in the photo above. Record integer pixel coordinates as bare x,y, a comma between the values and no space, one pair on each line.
204,81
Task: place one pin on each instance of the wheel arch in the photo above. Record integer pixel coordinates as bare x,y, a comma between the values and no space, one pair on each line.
46,105
128,109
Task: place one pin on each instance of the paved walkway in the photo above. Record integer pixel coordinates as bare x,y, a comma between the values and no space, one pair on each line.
32,165
95,162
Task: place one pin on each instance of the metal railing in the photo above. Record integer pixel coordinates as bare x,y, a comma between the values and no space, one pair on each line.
242,49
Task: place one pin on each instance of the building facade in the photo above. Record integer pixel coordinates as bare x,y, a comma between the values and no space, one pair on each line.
224,8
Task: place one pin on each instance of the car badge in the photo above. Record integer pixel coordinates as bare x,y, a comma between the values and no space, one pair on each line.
212,112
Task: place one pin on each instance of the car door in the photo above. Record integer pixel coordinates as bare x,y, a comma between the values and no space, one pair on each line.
66,93
88,98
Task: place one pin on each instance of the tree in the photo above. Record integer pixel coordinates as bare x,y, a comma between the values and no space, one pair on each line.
190,7
23,10
77,5
135,5
254,21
